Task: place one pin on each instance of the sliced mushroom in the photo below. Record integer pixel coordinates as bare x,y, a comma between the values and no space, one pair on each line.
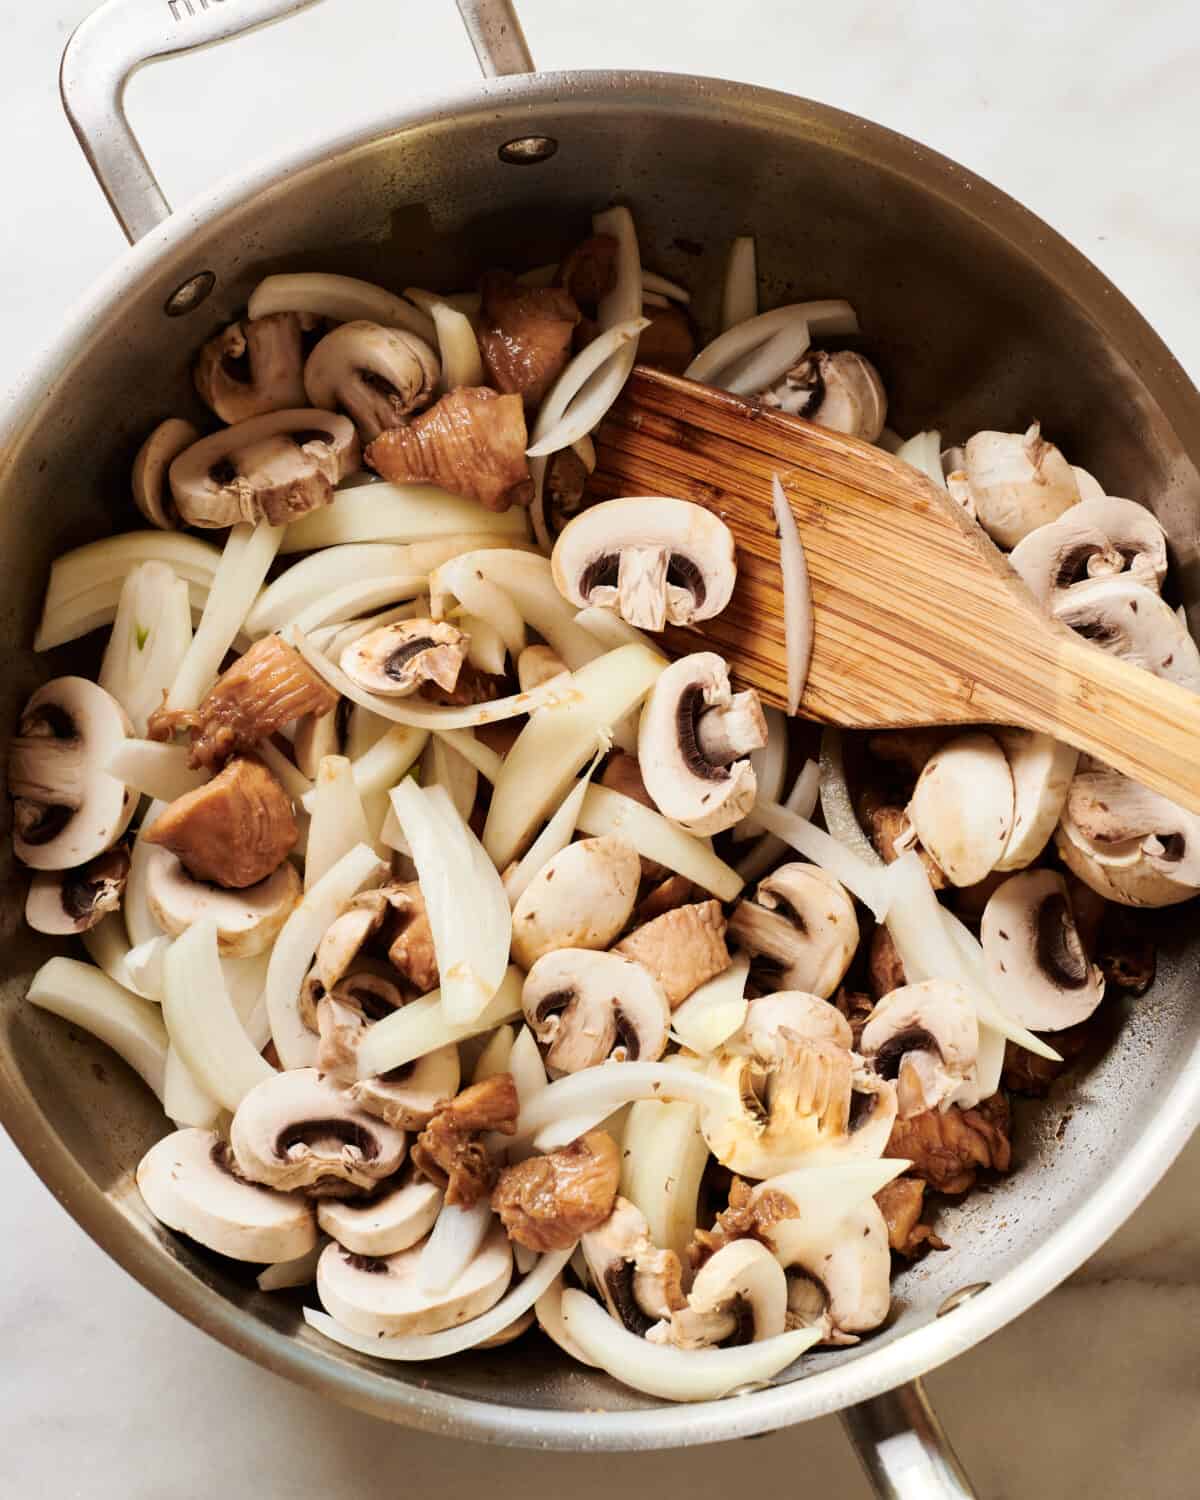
652,559
1123,617
1035,955
640,1283
587,1006
298,1130
538,663
253,367
272,468
963,805
840,390
385,1295
234,831
739,1296
1042,768
926,1037
1094,539
683,949
407,1097
189,1183
66,807
804,930
390,1221
151,492
580,898
839,1273
396,659
69,901
248,921
378,376
772,1018
359,919
1018,482
1127,843
694,742
411,950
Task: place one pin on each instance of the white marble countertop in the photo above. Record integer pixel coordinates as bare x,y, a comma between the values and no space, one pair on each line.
1087,111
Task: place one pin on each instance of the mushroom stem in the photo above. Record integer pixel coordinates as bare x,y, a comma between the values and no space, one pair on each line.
731,730
642,586
47,771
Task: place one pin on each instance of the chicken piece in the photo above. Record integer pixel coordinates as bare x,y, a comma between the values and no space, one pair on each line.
885,972
547,1202
267,687
746,1217
471,686
948,1149
525,335
887,826
472,442
234,831
901,1202
589,272
683,949
1026,1073
449,1150
566,481
668,344
411,949
857,1008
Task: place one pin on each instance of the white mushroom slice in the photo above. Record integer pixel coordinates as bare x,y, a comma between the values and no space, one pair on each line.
1042,768
378,376
407,1096
70,901
189,1184
1123,617
650,558
382,1296
1018,482
588,1006
840,390
1127,843
841,1271
692,732
339,946
385,1224
298,1130
963,805
254,367
1036,960
396,659
1090,487
771,1018
248,921
272,468
537,664
1094,539
926,1037
151,492
640,1283
66,807
580,898
739,1296
804,929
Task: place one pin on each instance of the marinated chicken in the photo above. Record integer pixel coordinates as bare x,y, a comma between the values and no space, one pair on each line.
525,335
746,1217
589,272
547,1202
411,949
683,948
450,1150
235,830
472,442
668,343
901,1203
885,972
948,1149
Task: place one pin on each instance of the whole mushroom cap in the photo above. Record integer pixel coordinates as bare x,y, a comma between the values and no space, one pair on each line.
963,805
580,898
1018,482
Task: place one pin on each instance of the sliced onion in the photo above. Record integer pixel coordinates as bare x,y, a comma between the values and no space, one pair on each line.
558,741
379,768
770,768
85,997
596,1092
711,1014
653,282
528,585
469,914
338,820
249,553
421,1027
866,882
763,366
663,1157
462,363
155,769
495,1055
333,639
140,922
146,966
555,837
486,650
289,775
110,561
526,1067
184,1101
352,598
202,1023
586,388
297,944
463,302
453,1243
797,597
825,1195
548,1309
828,317
94,610
655,837
479,595
924,452
837,806
442,765
107,945
344,299
475,752
449,1340
363,732
289,1273
739,295
150,637
607,627
676,1374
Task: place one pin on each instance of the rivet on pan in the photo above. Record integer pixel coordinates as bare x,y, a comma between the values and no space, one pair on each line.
189,294
964,1294
527,150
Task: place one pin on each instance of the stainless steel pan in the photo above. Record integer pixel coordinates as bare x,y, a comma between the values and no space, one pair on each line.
979,316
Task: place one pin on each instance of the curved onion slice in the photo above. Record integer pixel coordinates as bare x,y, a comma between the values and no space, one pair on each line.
380,767
670,1373
442,765
464,302
924,452
495,1055
867,883
351,599
453,1243
398,513
202,1023
655,837
108,947
131,1026
140,922
150,638
801,800
528,584
297,943
610,630
462,363
555,837
450,1340
526,1066
183,1100
342,298
797,598
338,820
770,768
663,1157
739,295
837,806
421,1027
155,769
476,593
469,914
711,1014
289,775
653,282
486,648
768,363
825,1195
113,558
597,1092
583,403
93,610
146,968
832,316
288,1273
481,756
548,1309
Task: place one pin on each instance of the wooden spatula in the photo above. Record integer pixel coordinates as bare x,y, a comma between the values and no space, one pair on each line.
918,618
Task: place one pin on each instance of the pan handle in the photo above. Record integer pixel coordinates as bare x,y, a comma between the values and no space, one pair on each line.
904,1448
120,35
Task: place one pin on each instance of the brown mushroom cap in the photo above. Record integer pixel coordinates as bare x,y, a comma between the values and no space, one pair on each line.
71,901
378,376
396,659
151,492
253,367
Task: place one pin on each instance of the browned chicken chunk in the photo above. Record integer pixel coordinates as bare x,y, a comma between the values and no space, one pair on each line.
472,442
1027,1073
589,273
234,831
449,1150
525,335
885,972
885,825
901,1203
745,1218
547,1202
948,1149
683,948
411,949
857,1008
668,344
267,687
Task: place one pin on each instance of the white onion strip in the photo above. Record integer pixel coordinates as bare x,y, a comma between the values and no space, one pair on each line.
146,967
797,597
462,363
94,609
398,513
453,1243
184,1101
302,1271
866,882
449,1340
479,595
85,997
555,837
578,405
379,768
548,1309
108,947
596,1092
653,282
711,1014
481,756
924,452
345,299
770,768
832,316
739,294
150,638
113,558
155,769
289,775
338,820
655,837
801,800
763,366
421,1027
140,921
351,599
528,584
